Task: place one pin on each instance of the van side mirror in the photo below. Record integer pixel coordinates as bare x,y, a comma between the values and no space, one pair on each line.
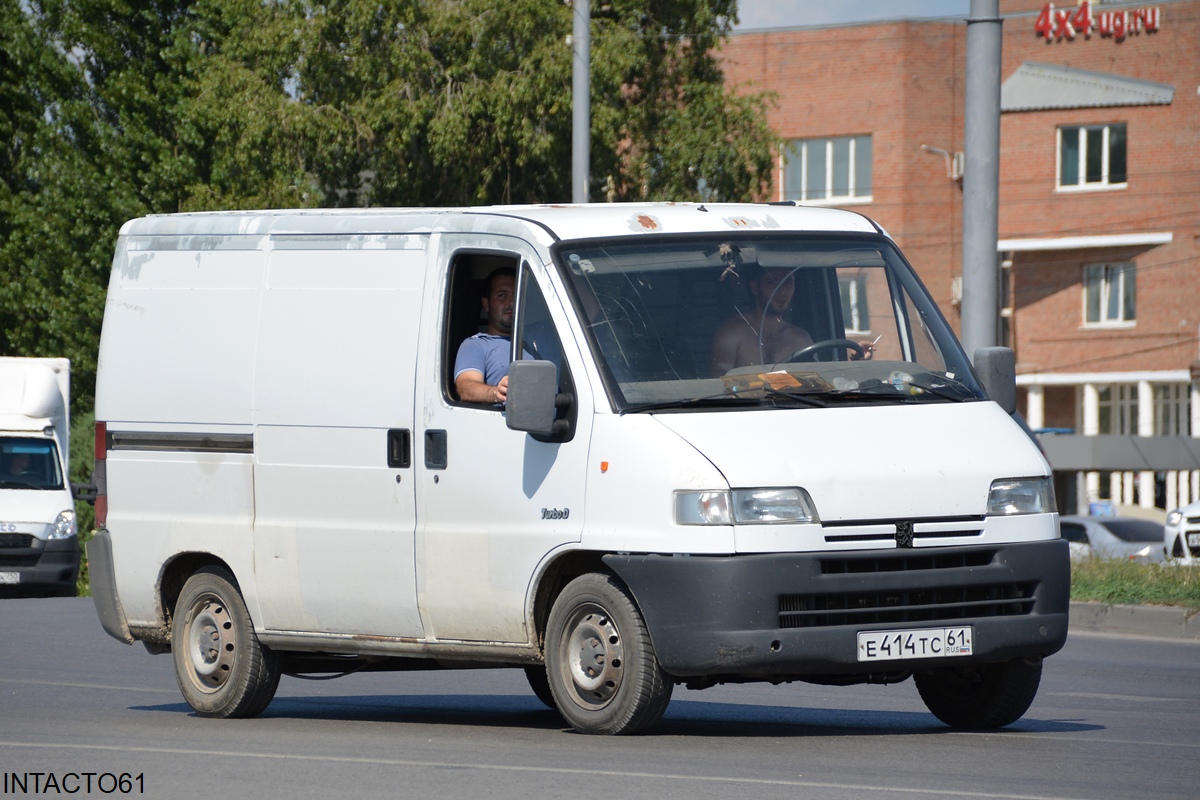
532,387
997,370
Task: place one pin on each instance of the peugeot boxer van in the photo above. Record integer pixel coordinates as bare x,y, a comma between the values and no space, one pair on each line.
289,482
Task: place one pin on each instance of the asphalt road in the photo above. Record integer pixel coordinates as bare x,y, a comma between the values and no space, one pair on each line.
1115,718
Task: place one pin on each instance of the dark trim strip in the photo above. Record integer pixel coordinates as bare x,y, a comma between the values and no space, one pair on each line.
181,442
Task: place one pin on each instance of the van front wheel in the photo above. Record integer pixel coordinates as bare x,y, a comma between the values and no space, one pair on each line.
600,663
221,668
981,696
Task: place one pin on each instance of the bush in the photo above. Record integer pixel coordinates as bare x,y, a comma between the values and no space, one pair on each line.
82,461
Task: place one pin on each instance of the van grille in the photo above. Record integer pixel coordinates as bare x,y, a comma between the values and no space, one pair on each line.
906,563
16,540
945,603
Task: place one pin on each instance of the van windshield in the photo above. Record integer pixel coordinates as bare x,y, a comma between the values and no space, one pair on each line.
29,463
767,320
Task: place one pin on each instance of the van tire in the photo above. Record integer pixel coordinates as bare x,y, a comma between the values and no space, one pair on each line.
600,662
540,683
238,676
981,696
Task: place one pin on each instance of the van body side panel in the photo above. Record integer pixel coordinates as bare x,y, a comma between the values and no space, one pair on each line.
333,534
168,499
503,500
631,502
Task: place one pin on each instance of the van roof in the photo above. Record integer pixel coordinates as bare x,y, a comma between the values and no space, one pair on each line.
565,221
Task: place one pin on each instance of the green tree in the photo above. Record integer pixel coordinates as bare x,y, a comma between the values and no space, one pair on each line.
435,102
53,227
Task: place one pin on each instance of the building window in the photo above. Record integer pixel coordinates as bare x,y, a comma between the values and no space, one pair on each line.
1007,304
1118,409
1172,409
1110,294
1091,156
855,316
828,170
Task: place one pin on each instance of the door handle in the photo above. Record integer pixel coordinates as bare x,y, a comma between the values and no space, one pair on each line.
399,448
435,449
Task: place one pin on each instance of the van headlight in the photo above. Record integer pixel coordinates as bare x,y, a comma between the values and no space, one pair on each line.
64,525
1021,496
1174,518
789,505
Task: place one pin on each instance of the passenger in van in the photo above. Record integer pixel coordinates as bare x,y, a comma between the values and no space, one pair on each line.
481,367
763,336
737,342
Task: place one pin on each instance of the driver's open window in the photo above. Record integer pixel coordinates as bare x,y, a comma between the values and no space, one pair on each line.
469,278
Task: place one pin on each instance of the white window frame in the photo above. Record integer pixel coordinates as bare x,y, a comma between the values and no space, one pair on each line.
799,148
1122,406
1172,409
855,288
1125,271
1083,185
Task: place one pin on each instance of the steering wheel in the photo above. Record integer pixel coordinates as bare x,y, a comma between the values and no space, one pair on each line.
827,344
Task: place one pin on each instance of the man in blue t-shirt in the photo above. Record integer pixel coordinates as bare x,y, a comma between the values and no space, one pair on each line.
481,368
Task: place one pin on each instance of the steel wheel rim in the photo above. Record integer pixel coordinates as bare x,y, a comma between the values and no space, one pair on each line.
592,657
210,644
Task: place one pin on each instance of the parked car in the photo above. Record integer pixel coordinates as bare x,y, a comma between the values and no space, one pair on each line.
1113,537
1181,535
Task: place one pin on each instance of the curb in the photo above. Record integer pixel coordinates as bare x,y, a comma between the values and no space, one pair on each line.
1162,622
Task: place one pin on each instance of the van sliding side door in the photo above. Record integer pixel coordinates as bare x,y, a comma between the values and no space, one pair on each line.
333,398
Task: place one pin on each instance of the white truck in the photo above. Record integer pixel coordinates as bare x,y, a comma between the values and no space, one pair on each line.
288,482
39,544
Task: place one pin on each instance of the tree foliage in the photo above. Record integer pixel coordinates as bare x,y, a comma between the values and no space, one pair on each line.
112,109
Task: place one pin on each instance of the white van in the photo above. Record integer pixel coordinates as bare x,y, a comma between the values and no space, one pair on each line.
289,483
39,545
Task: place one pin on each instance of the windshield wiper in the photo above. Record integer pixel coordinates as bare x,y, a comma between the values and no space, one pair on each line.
754,398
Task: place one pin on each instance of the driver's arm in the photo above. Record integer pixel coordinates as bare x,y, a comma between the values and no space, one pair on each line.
472,388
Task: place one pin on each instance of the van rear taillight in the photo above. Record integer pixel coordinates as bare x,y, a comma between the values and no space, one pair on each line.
100,475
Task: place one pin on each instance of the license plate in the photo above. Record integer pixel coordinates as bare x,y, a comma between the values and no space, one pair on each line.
918,643
1194,540
10,577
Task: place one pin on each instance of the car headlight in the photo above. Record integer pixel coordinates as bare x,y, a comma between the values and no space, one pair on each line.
1174,518
64,525
745,507
1021,496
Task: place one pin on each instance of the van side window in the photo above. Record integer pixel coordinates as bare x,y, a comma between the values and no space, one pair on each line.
537,336
471,277
538,339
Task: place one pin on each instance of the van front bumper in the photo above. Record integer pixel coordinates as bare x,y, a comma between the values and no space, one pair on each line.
40,565
798,615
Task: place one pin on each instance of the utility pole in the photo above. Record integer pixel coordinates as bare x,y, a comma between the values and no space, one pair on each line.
981,177
581,100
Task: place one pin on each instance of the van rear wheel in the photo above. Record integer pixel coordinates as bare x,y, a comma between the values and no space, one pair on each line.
983,695
600,662
221,668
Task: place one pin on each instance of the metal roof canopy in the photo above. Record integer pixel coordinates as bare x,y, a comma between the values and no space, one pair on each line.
1108,452
1036,87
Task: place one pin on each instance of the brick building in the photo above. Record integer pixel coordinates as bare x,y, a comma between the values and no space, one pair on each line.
1099,206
